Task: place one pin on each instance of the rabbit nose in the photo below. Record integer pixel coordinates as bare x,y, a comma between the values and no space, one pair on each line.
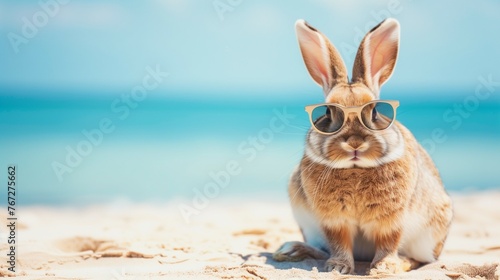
355,142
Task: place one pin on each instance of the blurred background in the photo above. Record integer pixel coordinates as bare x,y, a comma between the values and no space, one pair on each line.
157,100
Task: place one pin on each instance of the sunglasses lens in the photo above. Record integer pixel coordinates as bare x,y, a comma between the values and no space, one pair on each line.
378,116
327,119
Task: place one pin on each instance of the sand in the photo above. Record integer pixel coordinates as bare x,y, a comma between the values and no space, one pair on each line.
227,240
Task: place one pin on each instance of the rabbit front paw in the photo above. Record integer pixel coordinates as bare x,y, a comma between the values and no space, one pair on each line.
389,265
340,265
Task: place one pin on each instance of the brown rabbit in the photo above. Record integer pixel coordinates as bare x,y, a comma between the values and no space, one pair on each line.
365,189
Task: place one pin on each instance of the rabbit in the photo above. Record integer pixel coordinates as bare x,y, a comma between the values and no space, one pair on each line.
361,194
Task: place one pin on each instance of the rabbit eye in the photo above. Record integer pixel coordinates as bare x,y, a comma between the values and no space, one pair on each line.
327,119
374,115
328,114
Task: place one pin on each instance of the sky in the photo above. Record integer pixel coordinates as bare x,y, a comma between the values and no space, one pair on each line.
235,47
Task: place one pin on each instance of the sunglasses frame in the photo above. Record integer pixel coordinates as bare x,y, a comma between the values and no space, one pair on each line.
351,110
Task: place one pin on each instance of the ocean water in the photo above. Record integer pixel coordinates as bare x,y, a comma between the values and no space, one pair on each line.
79,148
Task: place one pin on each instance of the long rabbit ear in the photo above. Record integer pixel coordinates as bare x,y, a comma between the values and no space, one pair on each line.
377,55
322,60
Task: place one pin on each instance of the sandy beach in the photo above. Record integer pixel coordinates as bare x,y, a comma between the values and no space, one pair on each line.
227,240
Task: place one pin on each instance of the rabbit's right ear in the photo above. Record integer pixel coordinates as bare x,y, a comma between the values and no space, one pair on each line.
322,60
377,55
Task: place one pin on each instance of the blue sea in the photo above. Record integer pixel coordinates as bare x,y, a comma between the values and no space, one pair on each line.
87,147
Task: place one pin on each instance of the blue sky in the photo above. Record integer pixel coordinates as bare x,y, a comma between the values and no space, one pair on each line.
251,48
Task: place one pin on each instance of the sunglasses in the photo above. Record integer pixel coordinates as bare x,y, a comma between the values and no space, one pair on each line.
329,118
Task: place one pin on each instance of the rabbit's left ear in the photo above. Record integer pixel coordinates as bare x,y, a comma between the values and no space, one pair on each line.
323,61
377,55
